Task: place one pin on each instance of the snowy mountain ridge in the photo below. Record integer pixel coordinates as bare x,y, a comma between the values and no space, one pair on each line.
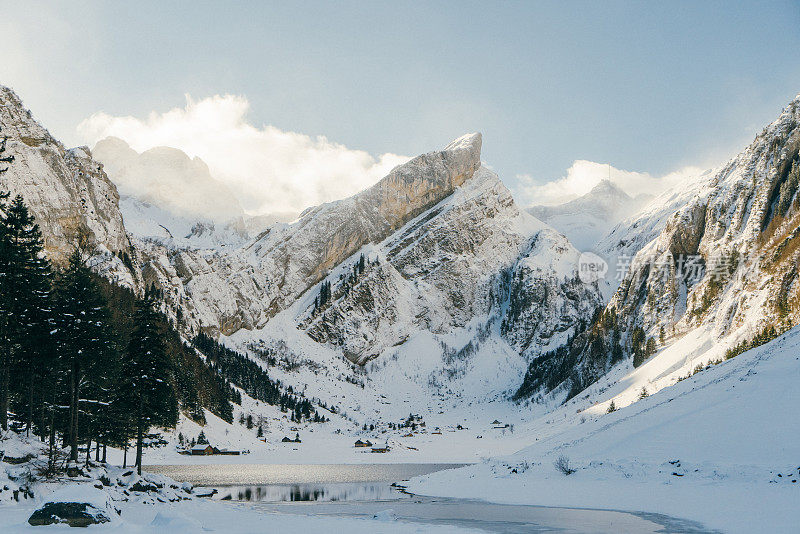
450,263
717,254
459,290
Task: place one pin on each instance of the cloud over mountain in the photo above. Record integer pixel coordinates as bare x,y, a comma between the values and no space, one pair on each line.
267,169
584,175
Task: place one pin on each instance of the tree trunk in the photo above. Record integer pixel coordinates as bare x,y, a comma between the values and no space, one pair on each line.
74,409
88,449
139,448
51,454
29,414
4,373
104,453
97,451
68,434
125,457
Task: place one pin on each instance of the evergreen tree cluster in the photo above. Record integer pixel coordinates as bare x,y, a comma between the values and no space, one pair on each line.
642,347
765,336
349,280
324,295
597,344
85,362
254,380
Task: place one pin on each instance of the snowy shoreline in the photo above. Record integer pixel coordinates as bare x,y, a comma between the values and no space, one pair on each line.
683,452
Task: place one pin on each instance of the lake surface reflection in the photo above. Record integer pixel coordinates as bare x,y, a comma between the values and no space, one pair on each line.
271,474
365,491
335,492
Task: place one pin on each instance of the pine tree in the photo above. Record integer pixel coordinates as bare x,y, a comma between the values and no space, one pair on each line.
28,290
83,328
148,374
650,348
6,303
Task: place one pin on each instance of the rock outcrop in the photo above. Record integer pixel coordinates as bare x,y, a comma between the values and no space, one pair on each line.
719,254
475,254
68,192
300,254
74,514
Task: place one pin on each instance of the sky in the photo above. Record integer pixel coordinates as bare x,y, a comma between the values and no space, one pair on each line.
330,94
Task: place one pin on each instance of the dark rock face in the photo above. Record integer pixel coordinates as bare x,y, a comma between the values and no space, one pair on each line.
75,514
144,487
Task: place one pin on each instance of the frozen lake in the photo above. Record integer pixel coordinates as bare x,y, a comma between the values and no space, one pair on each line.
269,474
365,491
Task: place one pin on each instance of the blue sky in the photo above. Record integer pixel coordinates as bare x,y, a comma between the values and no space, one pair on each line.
646,86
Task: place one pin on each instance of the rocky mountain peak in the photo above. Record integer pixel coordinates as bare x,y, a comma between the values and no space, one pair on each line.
471,142
301,253
67,191
607,188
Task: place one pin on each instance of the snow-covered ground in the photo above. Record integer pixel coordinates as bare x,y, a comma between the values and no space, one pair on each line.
719,447
191,517
120,501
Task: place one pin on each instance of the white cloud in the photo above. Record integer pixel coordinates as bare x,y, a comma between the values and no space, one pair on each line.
583,175
267,169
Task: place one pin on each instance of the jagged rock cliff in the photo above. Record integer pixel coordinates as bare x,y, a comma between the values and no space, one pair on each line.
741,228
66,190
298,255
466,257
719,254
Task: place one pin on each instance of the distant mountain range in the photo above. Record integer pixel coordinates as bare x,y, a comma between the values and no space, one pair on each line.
585,220
432,281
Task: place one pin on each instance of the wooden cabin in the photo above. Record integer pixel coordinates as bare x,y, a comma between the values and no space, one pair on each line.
203,450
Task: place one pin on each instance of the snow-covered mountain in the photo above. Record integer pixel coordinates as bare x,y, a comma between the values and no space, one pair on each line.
66,190
167,196
587,219
453,262
453,273
714,260
168,179
433,285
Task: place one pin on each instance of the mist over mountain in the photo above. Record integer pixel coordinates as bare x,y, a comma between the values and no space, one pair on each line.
585,220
